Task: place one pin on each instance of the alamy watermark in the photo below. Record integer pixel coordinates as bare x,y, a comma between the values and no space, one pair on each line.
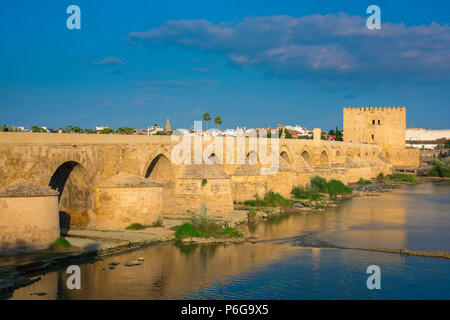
74,280
374,280
374,21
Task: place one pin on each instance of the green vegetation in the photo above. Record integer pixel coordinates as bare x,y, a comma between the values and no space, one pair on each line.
441,168
206,118
61,242
218,121
380,177
107,131
204,182
319,185
189,230
363,181
136,226
401,177
336,187
203,226
37,129
158,223
163,133
307,192
271,199
251,215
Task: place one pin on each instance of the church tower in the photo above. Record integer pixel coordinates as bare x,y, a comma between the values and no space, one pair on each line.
167,125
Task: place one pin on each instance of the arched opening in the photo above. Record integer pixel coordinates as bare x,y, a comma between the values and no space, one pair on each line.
75,202
252,157
213,158
338,155
306,157
285,156
160,170
324,158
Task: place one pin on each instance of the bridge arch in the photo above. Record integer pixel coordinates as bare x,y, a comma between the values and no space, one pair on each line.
71,180
161,170
307,157
252,157
324,158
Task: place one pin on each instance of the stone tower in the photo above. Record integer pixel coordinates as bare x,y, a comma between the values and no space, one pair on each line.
383,126
167,125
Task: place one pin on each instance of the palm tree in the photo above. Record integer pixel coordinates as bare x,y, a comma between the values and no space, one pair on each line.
218,121
206,117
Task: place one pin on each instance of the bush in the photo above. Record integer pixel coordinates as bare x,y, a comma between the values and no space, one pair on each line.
157,223
380,177
61,242
336,187
401,177
251,215
433,173
442,167
363,181
319,183
276,200
271,199
189,230
307,192
135,226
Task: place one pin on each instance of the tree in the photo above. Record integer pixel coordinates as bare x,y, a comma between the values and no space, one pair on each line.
218,121
338,134
207,118
68,129
37,129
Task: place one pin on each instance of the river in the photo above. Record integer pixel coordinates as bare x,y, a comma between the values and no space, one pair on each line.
299,256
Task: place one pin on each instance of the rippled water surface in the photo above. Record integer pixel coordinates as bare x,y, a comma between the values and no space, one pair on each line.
301,256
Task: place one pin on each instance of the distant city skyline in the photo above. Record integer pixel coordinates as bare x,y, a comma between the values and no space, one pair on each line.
253,63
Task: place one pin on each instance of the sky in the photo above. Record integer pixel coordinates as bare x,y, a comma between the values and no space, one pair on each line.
253,63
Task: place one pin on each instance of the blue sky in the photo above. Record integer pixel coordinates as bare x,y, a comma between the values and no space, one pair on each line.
254,63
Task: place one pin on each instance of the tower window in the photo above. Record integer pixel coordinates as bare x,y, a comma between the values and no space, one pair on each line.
373,121
373,138
379,122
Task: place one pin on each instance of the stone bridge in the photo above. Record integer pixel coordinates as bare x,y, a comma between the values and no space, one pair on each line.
77,165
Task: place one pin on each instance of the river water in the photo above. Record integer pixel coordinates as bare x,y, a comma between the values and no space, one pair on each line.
300,256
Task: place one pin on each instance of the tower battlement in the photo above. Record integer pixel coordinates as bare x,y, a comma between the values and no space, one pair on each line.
376,109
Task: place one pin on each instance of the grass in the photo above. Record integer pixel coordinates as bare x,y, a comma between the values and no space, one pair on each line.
271,199
402,177
336,187
319,185
363,181
61,242
189,230
138,226
307,192
203,226
251,215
